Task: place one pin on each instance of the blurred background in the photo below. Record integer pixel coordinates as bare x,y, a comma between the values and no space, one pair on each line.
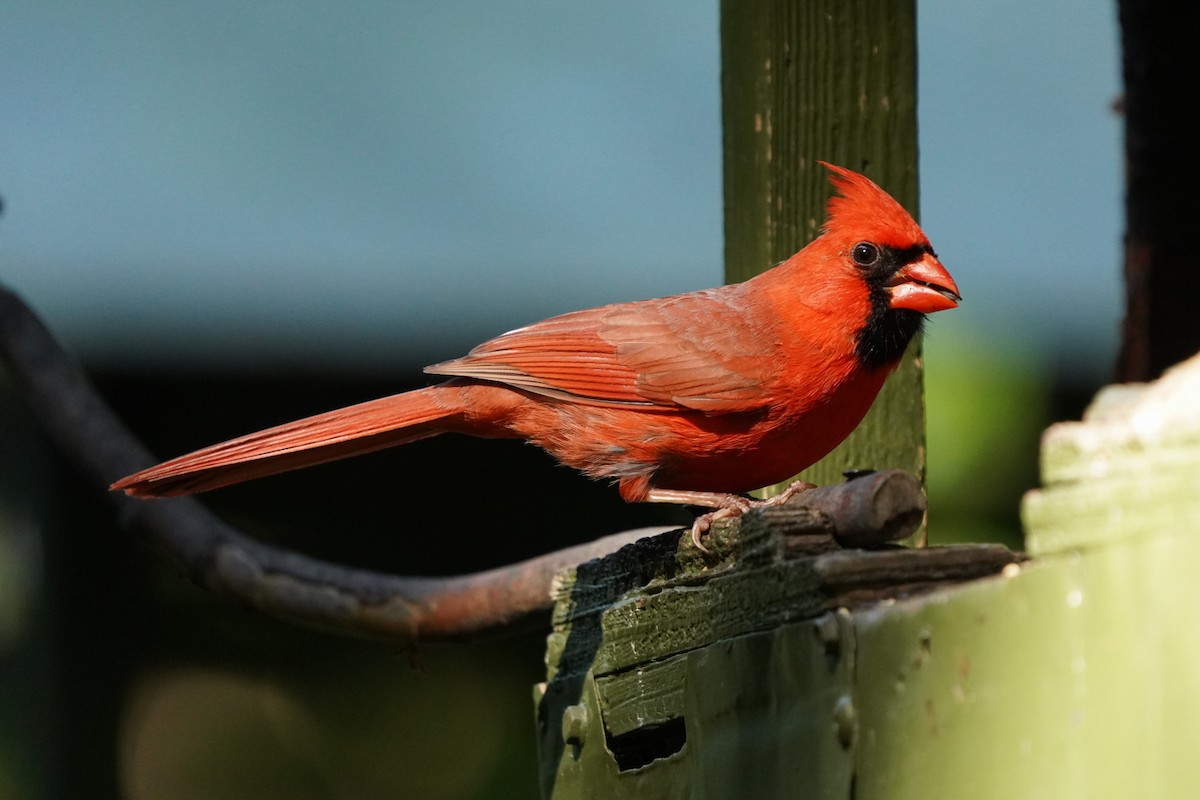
239,213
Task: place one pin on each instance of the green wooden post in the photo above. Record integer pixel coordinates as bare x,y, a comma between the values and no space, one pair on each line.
830,80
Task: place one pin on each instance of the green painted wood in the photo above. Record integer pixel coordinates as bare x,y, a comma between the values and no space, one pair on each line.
772,744
1074,678
831,80
650,694
1139,445
658,624
719,671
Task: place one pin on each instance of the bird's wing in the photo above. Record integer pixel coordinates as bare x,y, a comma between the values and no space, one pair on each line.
704,351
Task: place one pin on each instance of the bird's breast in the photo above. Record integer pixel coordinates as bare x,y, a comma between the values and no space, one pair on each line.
684,449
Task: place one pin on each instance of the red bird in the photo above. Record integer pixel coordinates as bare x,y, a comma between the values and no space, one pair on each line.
691,399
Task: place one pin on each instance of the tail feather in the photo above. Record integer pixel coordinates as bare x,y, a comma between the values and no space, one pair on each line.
330,436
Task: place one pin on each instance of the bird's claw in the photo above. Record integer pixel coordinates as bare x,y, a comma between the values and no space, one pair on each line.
733,506
703,522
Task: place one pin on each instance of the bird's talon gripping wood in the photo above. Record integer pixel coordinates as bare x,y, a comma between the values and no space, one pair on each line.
689,399
732,506
704,522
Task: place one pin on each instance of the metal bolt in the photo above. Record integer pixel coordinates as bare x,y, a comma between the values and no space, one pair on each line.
828,630
574,724
845,721
829,633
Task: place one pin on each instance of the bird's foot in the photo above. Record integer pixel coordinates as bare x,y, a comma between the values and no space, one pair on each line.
793,489
703,522
727,506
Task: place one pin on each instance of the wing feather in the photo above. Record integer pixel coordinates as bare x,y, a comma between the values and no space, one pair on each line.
701,351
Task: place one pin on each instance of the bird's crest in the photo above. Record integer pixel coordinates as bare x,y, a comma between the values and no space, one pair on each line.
859,205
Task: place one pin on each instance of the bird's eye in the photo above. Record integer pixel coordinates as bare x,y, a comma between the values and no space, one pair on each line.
865,254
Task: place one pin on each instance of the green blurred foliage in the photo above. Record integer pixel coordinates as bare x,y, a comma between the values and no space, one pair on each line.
375,727
987,401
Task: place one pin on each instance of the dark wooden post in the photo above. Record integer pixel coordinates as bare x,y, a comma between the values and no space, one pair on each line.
1162,281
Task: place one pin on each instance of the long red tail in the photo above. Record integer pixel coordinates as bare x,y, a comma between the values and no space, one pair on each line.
349,431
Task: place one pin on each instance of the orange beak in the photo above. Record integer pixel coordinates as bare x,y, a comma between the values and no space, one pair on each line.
923,286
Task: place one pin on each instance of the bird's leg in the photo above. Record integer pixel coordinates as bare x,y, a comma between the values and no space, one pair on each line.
727,506
794,488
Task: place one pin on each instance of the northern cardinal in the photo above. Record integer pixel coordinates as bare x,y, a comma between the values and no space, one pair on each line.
691,399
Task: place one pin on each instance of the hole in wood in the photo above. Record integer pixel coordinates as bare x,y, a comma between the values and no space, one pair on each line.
640,746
